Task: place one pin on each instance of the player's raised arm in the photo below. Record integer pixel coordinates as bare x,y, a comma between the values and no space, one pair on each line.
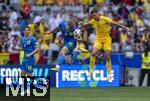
116,23
110,21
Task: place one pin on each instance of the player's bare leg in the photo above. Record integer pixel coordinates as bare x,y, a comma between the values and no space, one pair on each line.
108,65
92,61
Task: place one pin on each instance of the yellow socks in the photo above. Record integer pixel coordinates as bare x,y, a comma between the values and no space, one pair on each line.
92,62
108,66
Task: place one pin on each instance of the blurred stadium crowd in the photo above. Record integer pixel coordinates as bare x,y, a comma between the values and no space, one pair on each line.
45,15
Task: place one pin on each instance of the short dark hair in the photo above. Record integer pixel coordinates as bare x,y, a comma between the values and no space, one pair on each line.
94,10
27,27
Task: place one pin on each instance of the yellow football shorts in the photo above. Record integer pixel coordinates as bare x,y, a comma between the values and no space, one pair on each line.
103,44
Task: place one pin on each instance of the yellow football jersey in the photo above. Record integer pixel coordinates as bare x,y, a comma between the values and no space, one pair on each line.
32,28
49,2
21,56
39,2
21,4
99,1
85,2
41,28
102,27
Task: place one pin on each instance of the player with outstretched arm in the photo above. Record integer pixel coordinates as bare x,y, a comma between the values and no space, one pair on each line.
70,34
102,27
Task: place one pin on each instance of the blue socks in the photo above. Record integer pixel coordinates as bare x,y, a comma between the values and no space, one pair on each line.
74,56
61,59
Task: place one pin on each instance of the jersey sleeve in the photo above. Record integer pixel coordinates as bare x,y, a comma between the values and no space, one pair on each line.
61,25
107,20
91,22
34,42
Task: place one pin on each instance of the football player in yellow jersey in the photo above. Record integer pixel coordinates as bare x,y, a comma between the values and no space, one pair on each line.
102,27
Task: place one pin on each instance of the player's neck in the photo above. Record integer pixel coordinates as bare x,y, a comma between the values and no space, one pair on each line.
26,36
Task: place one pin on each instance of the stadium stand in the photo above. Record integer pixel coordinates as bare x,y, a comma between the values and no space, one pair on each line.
13,20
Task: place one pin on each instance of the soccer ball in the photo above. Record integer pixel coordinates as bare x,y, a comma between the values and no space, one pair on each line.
77,33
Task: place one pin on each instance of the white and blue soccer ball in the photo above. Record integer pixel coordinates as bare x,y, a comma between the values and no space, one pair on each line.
77,32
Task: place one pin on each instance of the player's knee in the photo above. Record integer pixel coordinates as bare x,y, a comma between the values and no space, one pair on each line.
93,54
62,52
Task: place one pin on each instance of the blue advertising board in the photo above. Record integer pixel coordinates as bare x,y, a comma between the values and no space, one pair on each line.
132,62
75,76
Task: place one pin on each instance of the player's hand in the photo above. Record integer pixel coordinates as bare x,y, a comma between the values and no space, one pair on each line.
28,55
47,32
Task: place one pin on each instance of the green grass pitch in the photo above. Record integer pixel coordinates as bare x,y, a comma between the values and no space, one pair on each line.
100,94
